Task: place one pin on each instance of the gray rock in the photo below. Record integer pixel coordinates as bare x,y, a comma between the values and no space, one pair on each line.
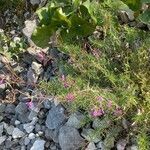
100,145
38,145
29,28
32,115
8,143
75,120
23,118
23,148
28,127
17,133
38,127
121,144
10,109
31,76
69,138
26,141
29,146
2,107
91,146
9,129
24,97
133,147
55,117
21,108
37,68
1,129
47,104
52,135
34,2
2,139
89,135
1,118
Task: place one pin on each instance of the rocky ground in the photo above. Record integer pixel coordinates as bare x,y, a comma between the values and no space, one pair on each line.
34,121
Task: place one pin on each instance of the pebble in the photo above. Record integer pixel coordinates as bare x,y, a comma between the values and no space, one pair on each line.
21,108
1,128
55,117
2,107
38,145
17,122
69,138
91,146
28,127
31,136
10,109
26,141
17,133
75,120
2,139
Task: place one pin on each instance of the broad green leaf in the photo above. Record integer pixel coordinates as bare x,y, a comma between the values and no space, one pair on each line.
41,35
59,19
81,27
145,1
45,14
135,5
145,17
87,4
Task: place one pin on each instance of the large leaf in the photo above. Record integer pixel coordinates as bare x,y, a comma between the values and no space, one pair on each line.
87,5
145,1
45,14
145,17
59,19
135,5
41,35
81,27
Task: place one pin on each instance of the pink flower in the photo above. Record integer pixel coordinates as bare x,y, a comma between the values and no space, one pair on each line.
70,97
118,112
109,104
66,85
41,56
63,78
1,81
30,104
97,112
99,98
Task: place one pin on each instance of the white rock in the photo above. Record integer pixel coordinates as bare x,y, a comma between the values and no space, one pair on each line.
38,145
17,122
91,146
34,2
2,139
28,127
31,136
17,133
29,27
37,68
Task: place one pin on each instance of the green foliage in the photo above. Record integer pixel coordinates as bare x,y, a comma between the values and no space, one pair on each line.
11,47
8,4
145,16
74,19
116,68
